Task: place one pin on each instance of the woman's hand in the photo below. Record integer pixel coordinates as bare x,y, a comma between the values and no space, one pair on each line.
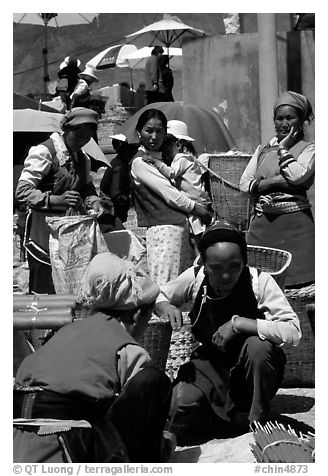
203,213
70,198
167,311
222,336
288,141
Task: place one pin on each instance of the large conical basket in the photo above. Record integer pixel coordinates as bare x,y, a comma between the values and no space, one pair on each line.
228,201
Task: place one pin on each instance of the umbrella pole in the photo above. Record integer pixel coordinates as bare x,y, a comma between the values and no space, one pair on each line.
131,72
46,78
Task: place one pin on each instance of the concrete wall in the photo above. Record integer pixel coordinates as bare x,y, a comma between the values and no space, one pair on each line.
221,72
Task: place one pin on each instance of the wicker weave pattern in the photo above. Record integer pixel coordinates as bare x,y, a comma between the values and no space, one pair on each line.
271,260
229,202
156,340
300,366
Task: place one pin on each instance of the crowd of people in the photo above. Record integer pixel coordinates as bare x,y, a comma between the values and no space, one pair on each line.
90,393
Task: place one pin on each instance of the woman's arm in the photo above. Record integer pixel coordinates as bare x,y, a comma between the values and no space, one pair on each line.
36,166
281,324
151,177
248,176
299,172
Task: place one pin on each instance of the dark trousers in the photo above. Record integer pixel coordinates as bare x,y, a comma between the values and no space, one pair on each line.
138,415
40,278
140,412
252,384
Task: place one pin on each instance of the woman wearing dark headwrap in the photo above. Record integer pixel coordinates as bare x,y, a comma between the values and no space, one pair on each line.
277,177
56,178
241,318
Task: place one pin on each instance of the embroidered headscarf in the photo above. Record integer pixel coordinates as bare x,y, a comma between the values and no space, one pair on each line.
111,282
300,102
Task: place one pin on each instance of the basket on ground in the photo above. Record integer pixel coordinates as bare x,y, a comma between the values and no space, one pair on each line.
300,368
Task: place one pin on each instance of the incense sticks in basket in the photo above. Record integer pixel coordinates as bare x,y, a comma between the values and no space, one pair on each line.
276,444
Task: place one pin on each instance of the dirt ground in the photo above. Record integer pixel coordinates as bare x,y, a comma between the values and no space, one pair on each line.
291,406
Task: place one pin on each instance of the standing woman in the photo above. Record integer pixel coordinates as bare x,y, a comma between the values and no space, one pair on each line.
55,180
159,205
278,177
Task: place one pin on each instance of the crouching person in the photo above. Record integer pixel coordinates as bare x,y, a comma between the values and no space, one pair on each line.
90,393
242,319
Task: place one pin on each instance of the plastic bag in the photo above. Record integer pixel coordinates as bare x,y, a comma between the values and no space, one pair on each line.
73,242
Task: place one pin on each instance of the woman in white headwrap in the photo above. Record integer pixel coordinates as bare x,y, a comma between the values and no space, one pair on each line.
277,178
90,393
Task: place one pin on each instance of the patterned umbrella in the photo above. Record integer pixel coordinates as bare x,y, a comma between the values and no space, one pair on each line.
204,125
56,20
112,56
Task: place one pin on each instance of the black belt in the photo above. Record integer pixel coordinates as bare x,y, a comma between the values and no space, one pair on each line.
49,404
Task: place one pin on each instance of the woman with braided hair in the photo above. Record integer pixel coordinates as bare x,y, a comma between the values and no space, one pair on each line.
277,178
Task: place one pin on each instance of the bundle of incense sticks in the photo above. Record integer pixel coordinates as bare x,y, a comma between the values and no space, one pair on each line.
23,302
43,311
276,444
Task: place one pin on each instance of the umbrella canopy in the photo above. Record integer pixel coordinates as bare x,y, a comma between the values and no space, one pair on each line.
137,59
30,120
37,126
53,20
112,56
204,125
23,102
167,32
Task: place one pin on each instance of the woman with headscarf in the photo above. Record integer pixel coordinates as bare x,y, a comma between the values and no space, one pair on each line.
160,206
241,319
277,178
56,180
90,394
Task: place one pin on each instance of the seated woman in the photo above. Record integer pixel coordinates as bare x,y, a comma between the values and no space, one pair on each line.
90,393
242,319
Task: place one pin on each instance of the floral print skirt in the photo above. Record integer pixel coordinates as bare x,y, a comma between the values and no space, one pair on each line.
169,251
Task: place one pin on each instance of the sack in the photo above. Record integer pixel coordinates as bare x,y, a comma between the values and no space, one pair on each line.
73,242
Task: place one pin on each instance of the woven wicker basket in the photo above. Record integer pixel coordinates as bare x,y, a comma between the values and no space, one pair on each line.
300,368
156,340
271,260
228,201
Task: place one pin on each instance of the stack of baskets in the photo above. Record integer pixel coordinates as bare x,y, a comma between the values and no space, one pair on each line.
300,368
228,201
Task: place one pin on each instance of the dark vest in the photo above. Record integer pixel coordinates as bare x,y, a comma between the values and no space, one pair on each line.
79,361
215,313
70,176
152,209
